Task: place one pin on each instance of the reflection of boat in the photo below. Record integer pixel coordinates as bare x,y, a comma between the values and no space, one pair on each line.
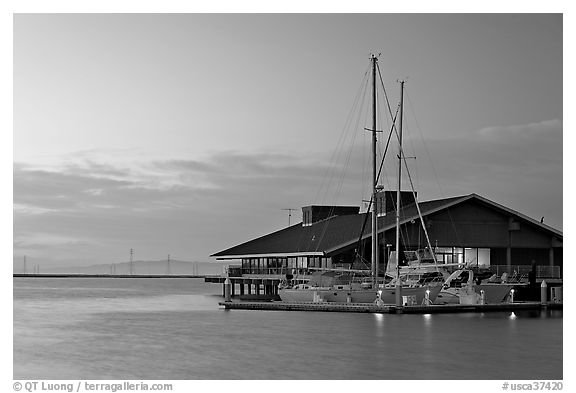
349,290
460,287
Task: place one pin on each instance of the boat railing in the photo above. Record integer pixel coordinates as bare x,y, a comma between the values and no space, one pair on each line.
361,280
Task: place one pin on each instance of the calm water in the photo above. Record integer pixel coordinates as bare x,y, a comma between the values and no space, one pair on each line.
173,329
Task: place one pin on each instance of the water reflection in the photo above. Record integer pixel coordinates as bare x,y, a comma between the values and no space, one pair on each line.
427,319
175,330
379,325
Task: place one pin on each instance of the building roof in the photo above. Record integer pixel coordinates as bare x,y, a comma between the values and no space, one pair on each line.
337,232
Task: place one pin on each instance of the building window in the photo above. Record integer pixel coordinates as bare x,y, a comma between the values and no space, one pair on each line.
484,257
443,254
449,254
477,256
458,255
316,262
471,256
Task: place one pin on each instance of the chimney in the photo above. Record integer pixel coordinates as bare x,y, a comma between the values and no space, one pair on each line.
315,213
387,201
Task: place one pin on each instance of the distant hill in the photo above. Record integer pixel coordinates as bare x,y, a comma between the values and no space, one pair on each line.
143,267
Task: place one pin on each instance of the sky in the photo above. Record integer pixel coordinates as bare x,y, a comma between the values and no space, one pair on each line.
186,134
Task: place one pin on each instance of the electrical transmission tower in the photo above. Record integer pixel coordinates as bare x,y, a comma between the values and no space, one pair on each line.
131,261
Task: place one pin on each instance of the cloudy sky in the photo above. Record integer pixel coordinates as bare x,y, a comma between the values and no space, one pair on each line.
186,134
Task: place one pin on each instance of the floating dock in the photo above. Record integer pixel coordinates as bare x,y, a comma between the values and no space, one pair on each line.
390,309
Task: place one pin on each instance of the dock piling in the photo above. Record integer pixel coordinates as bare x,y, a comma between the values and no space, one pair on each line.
227,288
543,292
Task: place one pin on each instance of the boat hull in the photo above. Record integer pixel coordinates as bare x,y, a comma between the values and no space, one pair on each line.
388,295
493,293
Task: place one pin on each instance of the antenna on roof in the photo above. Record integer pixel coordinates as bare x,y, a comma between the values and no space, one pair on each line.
290,210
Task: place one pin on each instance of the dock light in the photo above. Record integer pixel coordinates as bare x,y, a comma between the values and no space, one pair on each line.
427,297
512,295
379,293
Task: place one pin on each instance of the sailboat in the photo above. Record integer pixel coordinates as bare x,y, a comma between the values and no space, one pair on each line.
346,289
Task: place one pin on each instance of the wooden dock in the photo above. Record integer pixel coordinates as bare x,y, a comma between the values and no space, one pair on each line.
389,309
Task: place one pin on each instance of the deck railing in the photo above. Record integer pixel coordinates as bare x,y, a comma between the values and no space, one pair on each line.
239,271
523,270
273,271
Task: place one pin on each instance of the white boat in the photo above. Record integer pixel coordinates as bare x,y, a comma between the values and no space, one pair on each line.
461,288
421,266
401,293
343,289
306,294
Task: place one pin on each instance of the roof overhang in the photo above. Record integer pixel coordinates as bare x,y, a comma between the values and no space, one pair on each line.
273,255
519,215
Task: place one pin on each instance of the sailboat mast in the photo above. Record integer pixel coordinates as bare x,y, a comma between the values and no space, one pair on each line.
374,179
398,191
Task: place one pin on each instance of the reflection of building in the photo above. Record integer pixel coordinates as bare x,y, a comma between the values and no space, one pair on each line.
469,229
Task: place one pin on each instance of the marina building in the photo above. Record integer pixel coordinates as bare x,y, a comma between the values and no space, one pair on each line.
467,229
